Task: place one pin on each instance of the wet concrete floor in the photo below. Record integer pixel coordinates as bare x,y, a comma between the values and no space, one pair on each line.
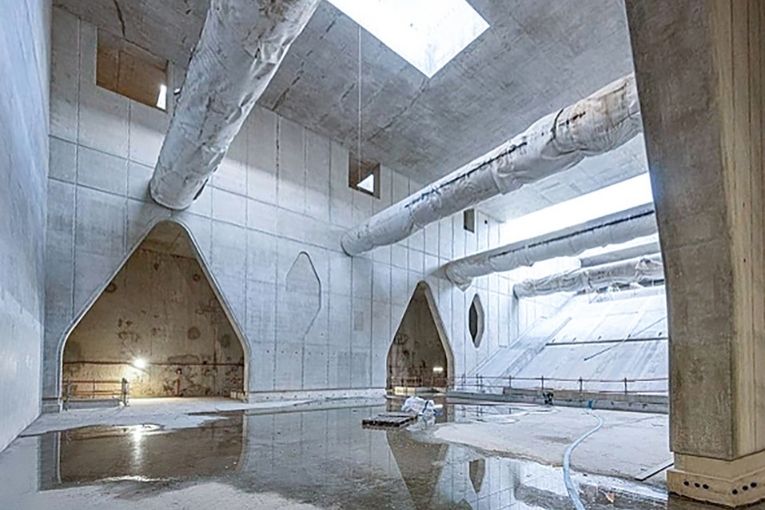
300,459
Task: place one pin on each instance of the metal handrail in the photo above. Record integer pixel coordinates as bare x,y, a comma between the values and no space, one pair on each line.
92,389
507,381
419,382
547,383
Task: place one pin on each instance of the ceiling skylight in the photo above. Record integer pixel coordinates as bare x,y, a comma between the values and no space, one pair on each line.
368,184
611,199
425,33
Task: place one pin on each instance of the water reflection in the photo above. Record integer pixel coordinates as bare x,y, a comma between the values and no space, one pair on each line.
320,457
140,453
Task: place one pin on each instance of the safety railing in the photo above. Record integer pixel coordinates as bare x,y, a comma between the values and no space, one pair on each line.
421,382
79,389
482,384
626,385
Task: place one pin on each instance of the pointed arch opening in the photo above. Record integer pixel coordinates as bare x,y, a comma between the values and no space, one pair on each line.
161,325
420,356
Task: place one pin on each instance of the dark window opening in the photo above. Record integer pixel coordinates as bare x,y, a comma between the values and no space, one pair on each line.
477,471
468,220
131,71
364,176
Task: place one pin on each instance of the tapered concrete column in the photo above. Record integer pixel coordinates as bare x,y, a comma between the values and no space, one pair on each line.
700,67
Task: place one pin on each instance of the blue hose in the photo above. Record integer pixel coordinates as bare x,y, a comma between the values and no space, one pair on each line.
573,493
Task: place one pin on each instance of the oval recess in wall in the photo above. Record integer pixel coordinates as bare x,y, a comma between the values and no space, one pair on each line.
476,320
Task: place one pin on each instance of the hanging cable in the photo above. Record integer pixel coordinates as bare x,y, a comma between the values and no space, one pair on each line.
358,86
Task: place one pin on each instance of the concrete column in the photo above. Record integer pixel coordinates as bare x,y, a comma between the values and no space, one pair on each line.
700,69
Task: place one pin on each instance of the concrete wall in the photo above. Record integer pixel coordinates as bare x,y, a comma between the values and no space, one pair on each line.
24,77
161,309
281,191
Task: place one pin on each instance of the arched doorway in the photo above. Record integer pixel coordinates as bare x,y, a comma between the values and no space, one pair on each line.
419,355
160,326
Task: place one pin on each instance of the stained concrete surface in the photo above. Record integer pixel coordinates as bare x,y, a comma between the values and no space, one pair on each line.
160,308
296,459
418,347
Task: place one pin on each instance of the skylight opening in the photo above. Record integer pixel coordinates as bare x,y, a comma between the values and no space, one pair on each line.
425,33
162,97
368,184
611,199
364,176
131,71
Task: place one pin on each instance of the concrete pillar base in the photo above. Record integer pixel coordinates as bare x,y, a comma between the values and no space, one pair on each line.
731,483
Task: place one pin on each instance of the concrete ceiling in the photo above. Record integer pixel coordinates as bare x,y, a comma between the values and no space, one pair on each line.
167,28
535,58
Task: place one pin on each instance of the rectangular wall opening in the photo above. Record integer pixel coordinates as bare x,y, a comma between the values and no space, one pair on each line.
364,176
131,71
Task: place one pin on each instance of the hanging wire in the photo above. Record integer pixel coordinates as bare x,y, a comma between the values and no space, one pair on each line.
358,86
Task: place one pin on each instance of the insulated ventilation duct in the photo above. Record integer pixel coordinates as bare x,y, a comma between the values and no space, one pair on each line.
624,272
611,229
595,125
241,46
649,247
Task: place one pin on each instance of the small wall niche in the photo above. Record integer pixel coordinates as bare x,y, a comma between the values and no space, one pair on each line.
468,220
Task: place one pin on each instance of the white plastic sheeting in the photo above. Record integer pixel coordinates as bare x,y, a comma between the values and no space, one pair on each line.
597,124
241,46
623,272
612,229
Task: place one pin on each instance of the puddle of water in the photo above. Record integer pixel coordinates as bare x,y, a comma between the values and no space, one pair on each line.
322,457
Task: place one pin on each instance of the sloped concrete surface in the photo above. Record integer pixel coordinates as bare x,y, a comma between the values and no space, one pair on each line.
601,336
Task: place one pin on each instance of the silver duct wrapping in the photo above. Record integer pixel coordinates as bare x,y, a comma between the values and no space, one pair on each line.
241,46
597,124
